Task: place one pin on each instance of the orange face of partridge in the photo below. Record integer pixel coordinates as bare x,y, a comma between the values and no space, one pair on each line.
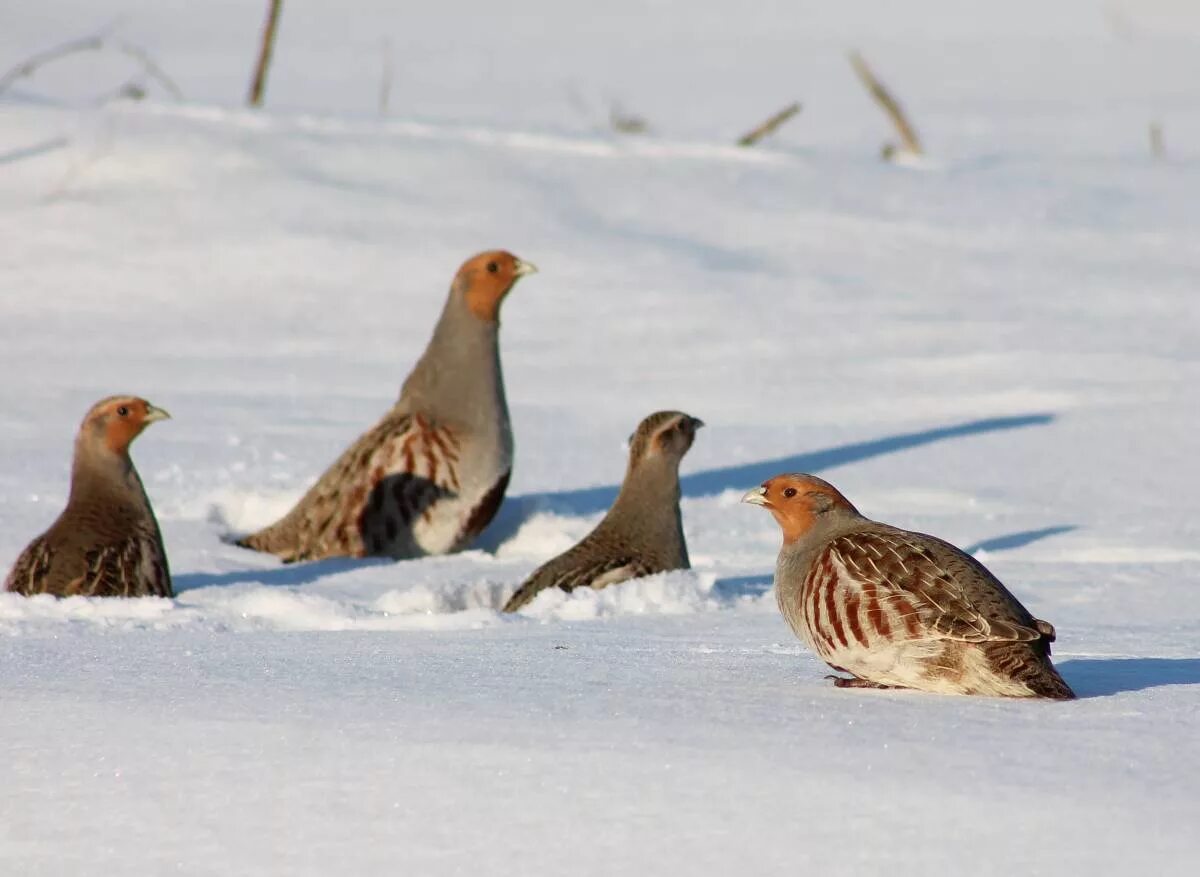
796,501
487,278
118,420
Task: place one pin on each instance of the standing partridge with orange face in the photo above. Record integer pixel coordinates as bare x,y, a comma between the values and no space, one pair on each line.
431,474
106,543
897,609
642,533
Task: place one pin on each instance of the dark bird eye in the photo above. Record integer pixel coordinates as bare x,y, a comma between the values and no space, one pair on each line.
123,411
789,492
493,267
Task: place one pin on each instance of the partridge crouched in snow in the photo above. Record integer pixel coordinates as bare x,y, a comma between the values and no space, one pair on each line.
897,609
106,543
432,473
642,533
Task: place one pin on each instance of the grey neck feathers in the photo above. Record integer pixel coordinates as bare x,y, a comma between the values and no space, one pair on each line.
459,375
649,499
98,473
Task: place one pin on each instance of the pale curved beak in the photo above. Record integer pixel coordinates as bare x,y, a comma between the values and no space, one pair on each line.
756,496
523,268
155,414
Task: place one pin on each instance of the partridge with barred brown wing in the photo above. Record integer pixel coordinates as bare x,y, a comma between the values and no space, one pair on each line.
106,543
432,473
897,609
642,533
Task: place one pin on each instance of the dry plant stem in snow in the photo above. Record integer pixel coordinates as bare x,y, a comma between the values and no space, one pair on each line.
768,127
91,44
909,143
267,47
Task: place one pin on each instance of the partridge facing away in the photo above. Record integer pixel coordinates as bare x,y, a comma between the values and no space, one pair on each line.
897,609
106,543
429,476
642,533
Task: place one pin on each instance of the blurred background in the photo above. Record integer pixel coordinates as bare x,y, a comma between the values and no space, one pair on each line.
978,77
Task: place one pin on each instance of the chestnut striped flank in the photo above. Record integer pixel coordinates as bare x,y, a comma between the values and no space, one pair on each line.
880,600
853,607
483,513
390,484
819,611
876,617
853,599
412,473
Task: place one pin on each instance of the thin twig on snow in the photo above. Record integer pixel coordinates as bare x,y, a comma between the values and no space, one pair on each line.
908,136
768,127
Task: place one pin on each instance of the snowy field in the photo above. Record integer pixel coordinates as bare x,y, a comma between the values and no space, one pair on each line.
999,346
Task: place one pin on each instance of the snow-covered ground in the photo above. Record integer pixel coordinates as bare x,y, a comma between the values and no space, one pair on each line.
998,346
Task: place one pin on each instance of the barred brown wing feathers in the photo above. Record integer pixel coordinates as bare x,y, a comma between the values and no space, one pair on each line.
332,521
134,567
411,472
574,570
158,582
606,571
105,573
368,501
30,573
905,580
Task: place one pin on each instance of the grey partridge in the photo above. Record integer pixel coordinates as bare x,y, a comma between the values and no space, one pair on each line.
897,609
642,533
106,543
432,473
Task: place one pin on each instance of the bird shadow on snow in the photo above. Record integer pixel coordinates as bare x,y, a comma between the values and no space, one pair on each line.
1017,540
288,575
733,587
591,500
514,511
1100,677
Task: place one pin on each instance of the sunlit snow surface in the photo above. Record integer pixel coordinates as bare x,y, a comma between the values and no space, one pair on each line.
999,345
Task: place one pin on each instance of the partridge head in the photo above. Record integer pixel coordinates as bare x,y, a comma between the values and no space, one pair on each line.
111,425
662,439
486,279
804,506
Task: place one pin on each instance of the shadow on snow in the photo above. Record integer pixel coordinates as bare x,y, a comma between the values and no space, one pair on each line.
1100,677
591,500
288,575
734,587
1017,540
